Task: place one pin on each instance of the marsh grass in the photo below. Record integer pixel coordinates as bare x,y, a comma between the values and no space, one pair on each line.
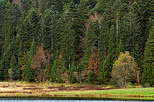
22,88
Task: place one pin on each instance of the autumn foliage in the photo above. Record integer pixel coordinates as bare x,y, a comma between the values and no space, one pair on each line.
125,69
40,62
92,70
93,63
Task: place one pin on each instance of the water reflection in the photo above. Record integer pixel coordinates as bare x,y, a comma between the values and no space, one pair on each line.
62,100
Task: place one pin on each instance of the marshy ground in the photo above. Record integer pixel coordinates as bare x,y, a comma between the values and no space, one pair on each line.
70,90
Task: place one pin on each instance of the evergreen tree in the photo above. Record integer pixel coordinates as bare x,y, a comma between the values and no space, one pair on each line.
2,20
68,44
90,43
44,4
6,53
53,73
12,68
21,52
105,73
79,21
12,15
131,34
72,78
145,12
26,5
103,45
28,73
148,66
30,30
90,49
47,28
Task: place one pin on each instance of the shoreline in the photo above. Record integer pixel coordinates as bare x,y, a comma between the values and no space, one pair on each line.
55,90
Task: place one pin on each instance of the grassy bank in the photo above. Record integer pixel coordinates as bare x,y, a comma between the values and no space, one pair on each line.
133,92
25,89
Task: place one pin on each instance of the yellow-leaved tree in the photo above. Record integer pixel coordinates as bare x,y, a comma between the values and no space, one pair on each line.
125,69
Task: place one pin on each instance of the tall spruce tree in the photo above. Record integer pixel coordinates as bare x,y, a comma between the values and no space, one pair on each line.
47,28
2,19
28,73
103,46
90,43
148,66
30,29
108,63
131,33
68,44
90,50
6,53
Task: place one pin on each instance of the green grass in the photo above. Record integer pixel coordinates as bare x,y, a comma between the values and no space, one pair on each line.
133,91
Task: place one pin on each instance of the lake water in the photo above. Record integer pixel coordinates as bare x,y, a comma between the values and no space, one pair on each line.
62,100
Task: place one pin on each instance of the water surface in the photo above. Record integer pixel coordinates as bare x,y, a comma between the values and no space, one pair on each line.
63,100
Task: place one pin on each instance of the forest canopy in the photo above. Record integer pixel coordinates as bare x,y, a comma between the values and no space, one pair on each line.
76,41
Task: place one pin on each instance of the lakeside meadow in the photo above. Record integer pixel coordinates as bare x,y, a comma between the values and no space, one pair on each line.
25,89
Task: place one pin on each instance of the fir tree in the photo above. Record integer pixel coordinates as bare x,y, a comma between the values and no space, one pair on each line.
90,43
30,27
131,33
103,45
26,5
148,66
28,73
105,73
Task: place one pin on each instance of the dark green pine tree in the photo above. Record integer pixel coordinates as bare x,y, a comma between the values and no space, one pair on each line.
3,32
44,4
2,10
66,16
103,46
131,34
89,44
12,69
68,45
47,28
80,18
146,8
101,6
20,28
148,63
30,30
90,49
6,53
12,15
72,78
13,62
108,63
28,73
58,34
53,73
26,5
2,20
20,43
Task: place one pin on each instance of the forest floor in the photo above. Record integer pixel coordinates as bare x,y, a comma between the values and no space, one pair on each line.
25,89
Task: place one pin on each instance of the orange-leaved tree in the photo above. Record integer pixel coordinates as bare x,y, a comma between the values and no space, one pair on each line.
41,60
92,70
125,69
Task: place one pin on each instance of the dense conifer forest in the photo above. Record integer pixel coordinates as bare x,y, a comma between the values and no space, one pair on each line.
75,41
